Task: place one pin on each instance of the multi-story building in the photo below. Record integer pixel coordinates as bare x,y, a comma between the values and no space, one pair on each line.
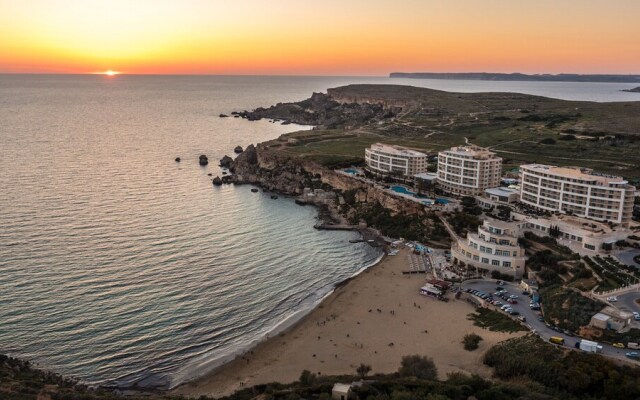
468,170
493,248
577,191
387,159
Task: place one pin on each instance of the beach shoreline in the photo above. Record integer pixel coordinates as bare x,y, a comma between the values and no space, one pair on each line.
375,317
283,326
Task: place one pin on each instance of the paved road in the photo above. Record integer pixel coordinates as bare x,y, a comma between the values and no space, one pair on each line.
626,257
532,322
627,301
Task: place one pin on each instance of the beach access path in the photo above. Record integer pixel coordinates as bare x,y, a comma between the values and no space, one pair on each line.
376,318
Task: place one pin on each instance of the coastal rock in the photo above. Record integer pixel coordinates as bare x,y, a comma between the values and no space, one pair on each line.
323,110
217,181
238,150
634,90
224,116
177,159
203,160
226,161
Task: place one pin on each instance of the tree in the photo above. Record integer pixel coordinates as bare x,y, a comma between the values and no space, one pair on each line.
363,370
307,378
419,366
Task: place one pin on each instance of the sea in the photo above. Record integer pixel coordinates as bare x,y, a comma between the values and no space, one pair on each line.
121,266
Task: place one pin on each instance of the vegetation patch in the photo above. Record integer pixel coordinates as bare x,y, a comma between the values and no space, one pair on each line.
495,321
568,308
570,374
471,341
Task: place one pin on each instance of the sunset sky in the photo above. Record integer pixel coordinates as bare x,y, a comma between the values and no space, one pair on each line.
328,37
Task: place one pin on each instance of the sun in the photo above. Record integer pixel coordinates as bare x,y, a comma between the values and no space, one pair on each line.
111,73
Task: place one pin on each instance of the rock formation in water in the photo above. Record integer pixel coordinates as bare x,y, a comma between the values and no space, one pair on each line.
634,90
238,149
217,181
203,160
177,159
224,116
226,161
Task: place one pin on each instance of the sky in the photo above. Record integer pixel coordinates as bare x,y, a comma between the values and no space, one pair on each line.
325,37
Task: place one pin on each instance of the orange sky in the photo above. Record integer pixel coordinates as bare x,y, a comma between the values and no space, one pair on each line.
328,37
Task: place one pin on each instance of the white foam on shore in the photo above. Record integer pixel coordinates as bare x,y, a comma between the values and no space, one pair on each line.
207,364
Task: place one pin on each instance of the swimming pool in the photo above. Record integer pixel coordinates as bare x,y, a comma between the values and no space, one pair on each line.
351,171
402,189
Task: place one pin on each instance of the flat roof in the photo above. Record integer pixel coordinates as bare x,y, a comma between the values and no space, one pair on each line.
471,150
426,175
575,173
501,191
397,150
601,317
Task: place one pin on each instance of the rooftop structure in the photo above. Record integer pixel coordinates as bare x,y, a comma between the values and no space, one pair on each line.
577,191
388,159
468,170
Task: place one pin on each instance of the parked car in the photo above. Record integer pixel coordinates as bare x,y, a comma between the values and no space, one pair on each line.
513,296
612,299
514,312
508,310
504,307
513,301
523,319
633,354
618,345
525,293
540,318
497,303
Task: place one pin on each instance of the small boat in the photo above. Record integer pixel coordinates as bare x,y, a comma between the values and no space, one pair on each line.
254,190
273,196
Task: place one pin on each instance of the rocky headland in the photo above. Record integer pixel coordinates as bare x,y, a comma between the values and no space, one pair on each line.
323,111
634,90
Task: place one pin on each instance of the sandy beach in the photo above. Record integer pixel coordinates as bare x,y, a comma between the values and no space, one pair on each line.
376,318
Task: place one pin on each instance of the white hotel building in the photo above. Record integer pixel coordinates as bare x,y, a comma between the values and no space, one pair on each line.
468,170
387,159
494,248
577,191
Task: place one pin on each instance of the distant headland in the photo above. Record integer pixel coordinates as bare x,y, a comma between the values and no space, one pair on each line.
634,90
490,76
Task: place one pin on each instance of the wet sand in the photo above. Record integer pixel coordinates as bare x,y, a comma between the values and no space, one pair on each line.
376,318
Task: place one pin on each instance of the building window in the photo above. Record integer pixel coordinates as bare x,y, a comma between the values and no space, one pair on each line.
495,263
476,258
485,260
506,264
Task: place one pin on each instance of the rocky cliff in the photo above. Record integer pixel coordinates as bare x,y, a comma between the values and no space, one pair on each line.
282,173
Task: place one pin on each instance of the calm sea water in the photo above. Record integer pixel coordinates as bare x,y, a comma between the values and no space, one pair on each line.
118,265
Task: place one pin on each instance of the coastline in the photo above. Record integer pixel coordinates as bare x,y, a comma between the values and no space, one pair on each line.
367,318
211,366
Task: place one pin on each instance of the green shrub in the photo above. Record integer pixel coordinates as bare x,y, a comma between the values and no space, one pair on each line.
471,341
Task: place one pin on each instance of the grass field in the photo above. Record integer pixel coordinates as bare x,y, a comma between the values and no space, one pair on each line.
605,136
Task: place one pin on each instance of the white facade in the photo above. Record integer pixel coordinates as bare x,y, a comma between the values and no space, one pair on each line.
468,170
495,248
385,159
577,191
586,239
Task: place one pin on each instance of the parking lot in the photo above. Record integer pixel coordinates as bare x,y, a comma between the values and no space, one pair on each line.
532,322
